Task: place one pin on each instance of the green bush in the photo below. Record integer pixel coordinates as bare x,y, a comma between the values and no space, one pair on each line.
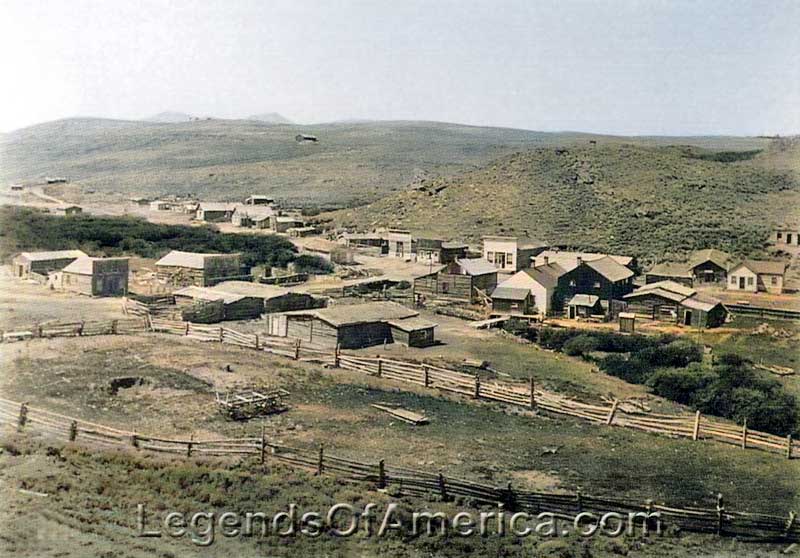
307,263
580,345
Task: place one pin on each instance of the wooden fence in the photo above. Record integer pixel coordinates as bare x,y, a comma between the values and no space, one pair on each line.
125,326
521,394
717,520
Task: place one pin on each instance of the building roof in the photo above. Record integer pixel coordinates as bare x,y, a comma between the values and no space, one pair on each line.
510,293
667,285
247,288
85,265
216,206
475,266
701,302
414,323
763,267
194,260
569,260
255,212
53,255
546,275
321,245
671,269
365,236
288,219
208,294
610,269
718,257
452,245
584,300
523,242
350,314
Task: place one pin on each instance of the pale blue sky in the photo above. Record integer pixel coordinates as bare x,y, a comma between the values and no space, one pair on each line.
622,66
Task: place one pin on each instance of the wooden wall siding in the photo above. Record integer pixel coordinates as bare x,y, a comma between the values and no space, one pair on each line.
514,307
402,337
180,276
364,335
420,338
585,279
445,286
651,278
202,312
715,273
46,266
77,283
654,307
702,319
292,301
312,330
248,308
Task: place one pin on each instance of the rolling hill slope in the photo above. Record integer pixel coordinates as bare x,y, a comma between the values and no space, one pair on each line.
653,202
353,163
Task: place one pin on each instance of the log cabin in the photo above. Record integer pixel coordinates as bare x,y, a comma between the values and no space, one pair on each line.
93,277
42,263
460,281
182,269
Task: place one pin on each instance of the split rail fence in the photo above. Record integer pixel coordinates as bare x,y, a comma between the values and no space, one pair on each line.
717,520
521,394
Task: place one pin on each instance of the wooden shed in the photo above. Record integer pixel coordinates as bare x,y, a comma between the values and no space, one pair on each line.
42,263
274,299
584,306
233,306
462,280
703,311
353,326
94,276
512,301
710,266
670,271
182,269
658,301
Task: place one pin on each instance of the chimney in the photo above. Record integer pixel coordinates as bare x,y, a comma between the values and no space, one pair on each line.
546,260
579,259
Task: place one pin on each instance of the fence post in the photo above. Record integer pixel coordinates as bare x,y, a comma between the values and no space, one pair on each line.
442,487
477,394
256,341
789,446
189,446
114,327
80,328
790,523
297,350
23,416
426,375
381,474
696,430
380,366
511,500
134,441
336,356
579,499
720,513
263,448
533,394
744,434
39,331
612,412
73,431
187,328
319,461
221,334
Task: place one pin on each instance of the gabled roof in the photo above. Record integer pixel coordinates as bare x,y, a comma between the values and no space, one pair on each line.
288,219
247,288
217,206
546,275
85,265
351,314
523,242
53,255
475,266
452,245
763,267
718,257
667,285
569,260
194,260
610,269
208,294
584,300
413,323
701,302
510,293
255,212
671,269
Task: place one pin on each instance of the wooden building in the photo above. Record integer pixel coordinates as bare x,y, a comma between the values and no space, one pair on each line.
569,260
670,271
42,263
604,278
161,205
253,216
710,266
542,282
207,305
371,242
355,326
274,299
437,251
67,210
757,275
512,301
511,253
93,277
785,235
401,244
329,250
584,306
182,269
464,280
215,212
259,200
282,223
673,302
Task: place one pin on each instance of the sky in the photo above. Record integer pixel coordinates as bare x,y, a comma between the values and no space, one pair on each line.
626,67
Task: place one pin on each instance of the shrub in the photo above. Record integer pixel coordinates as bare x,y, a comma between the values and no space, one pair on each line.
554,337
679,385
631,370
580,345
307,263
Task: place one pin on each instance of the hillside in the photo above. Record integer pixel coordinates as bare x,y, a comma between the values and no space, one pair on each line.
353,163
270,118
169,117
654,202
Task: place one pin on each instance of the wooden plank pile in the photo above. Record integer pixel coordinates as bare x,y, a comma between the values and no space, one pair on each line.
247,404
403,414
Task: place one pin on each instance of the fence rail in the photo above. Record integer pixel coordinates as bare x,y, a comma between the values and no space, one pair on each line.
521,394
717,520
764,312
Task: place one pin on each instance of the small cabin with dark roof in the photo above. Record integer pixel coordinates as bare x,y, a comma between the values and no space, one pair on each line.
710,266
512,301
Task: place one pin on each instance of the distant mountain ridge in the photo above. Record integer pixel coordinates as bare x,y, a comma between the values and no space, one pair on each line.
170,117
270,118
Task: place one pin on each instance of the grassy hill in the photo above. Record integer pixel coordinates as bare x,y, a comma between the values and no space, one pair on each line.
353,163
656,202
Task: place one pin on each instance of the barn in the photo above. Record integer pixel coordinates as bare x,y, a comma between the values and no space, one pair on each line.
274,299
355,326
206,305
182,269
94,276
459,281
42,263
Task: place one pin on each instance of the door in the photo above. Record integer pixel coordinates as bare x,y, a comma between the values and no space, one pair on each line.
571,312
687,318
500,260
741,283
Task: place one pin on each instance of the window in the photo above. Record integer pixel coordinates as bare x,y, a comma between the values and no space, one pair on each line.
750,281
490,257
773,280
733,279
788,238
572,282
597,284
780,235
510,259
